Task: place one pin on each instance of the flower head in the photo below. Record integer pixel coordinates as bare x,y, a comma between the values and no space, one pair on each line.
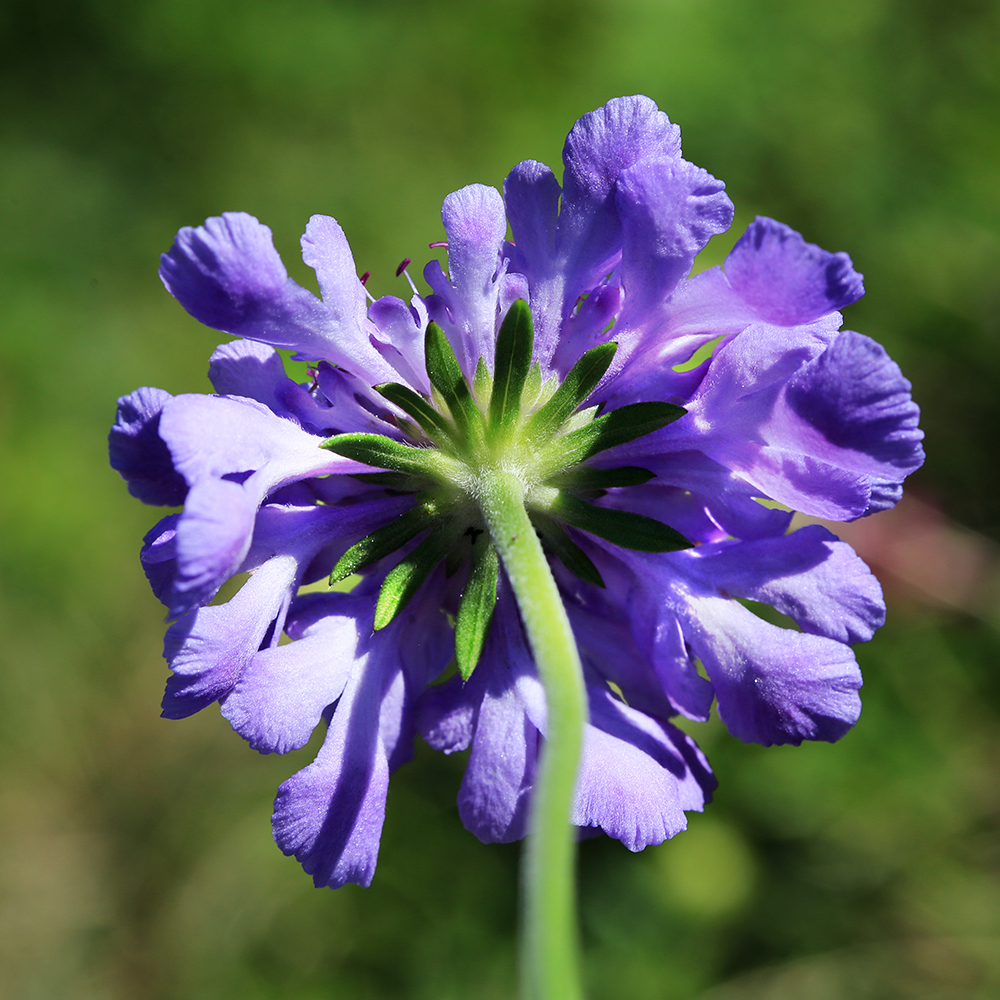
660,429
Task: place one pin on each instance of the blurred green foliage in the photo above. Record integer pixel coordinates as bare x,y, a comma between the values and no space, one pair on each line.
137,861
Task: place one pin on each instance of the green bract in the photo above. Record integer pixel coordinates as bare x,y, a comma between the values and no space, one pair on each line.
509,423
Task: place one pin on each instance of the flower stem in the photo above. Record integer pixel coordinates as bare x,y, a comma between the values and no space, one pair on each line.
549,944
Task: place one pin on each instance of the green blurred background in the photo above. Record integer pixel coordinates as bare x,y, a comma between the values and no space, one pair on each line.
136,859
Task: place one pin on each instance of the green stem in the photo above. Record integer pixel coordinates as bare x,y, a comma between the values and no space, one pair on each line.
549,944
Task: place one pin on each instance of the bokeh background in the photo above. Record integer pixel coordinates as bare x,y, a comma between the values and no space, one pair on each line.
136,859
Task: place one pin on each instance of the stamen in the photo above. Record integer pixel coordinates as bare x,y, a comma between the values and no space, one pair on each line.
401,270
439,243
365,277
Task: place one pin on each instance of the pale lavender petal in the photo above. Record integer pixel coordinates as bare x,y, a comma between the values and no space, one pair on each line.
250,369
634,783
138,453
531,196
209,436
494,797
212,540
855,396
159,557
228,275
280,697
209,649
599,148
476,226
330,814
400,338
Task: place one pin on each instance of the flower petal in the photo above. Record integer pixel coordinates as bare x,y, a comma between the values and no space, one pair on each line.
228,275
139,454
476,226
280,697
669,211
773,685
785,279
635,781
809,575
330,814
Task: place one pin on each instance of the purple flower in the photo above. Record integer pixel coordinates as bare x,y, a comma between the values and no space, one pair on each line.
662,490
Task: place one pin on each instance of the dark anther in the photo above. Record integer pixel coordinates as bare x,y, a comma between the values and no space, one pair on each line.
365,277
404,264
439,243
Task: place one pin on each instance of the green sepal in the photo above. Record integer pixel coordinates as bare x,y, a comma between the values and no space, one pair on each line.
512,362
635,420
630,531
557,541
430,421
481,381
475,609
382,452
579,383
586,477
446,376
384,541
401,482
404,579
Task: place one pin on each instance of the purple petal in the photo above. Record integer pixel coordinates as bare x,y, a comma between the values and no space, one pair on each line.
599,148
494,798
213,537
789,281
738,417
209,649
855,396
209,436
330,814
279,699
635,782
531,196
247,368
809,575
476,226
326,250
228,275
400,338
138,453
159,557
669,210
773,685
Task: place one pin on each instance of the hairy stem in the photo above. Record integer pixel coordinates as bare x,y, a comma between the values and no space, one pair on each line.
549,943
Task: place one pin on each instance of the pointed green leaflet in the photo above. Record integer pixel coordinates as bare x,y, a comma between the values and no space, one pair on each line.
635,420
558,542
512,363
578,384
446,376
630,531
431,422
586,477
381,452
475,610
383,541
404,580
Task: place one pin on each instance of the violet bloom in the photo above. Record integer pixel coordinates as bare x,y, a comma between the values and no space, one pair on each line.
562,358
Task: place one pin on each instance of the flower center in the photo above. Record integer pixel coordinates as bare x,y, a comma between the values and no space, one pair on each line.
510,424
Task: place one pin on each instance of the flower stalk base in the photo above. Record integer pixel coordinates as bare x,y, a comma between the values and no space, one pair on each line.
549,944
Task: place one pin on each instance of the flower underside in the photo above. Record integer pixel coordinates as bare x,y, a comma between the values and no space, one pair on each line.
510,424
